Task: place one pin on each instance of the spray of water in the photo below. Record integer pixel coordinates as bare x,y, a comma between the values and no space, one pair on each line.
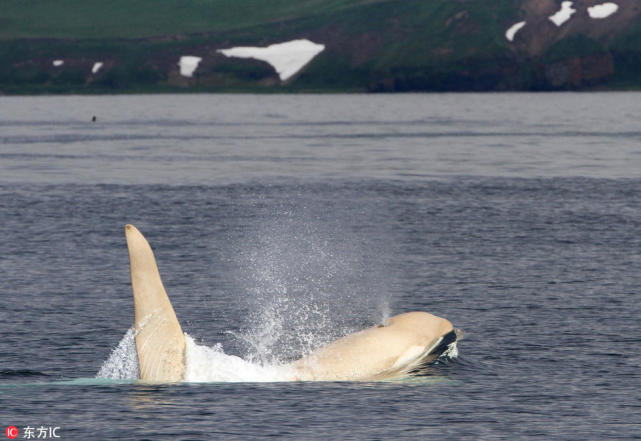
202,364
307,282
122,364
211,364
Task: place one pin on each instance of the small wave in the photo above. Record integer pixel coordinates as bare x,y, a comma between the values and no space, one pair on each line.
21,373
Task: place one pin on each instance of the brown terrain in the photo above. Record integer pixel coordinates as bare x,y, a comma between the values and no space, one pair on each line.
540,34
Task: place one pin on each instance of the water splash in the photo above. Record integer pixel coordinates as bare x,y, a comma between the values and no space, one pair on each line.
211,364
306,281
122,364
203,364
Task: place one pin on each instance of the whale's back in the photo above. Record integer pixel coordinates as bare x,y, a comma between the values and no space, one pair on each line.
379,352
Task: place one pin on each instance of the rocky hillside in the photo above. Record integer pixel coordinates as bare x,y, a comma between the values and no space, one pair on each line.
93,46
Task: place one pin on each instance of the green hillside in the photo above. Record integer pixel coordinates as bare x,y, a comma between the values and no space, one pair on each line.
147,18
371,45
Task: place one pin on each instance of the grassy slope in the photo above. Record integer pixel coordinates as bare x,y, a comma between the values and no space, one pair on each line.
145,18
100,19
397,35
419,43
627,56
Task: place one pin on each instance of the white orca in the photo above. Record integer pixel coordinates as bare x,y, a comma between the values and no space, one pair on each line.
402,345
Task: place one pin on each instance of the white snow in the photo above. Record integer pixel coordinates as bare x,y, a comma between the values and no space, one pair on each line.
58,63
286,58
511,32
563,14
603,10
96,67
188,64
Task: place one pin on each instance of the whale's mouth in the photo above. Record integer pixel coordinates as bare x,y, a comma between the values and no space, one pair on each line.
446,347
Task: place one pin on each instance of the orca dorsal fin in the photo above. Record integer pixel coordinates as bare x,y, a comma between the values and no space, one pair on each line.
160,341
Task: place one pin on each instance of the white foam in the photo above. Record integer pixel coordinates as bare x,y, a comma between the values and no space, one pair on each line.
58,63
451,351
603,10
563,14
96,67
207,364
188,65
287,58
122,363
203,364
511,32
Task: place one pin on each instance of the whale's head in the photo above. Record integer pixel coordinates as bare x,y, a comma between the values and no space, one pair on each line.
422,326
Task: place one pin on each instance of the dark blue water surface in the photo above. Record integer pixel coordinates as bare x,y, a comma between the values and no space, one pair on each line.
282,222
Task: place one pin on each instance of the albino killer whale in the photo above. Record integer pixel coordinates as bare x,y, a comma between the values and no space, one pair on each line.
404,344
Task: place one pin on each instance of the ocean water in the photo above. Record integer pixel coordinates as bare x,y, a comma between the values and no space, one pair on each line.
283,222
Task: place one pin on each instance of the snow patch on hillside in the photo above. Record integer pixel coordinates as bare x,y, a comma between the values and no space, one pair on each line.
96,67
563,14
188,65
511,32
287,58
603,10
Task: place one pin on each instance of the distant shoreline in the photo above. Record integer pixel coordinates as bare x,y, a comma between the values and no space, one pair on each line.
93,47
